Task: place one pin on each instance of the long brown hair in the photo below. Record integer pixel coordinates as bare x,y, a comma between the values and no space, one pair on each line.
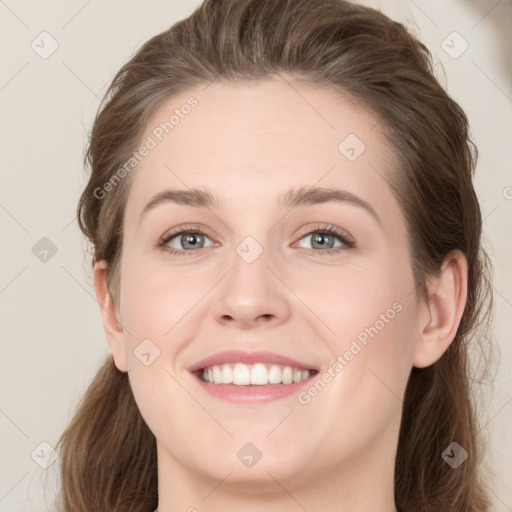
108,453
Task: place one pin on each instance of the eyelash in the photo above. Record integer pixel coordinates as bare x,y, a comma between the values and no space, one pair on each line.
323,229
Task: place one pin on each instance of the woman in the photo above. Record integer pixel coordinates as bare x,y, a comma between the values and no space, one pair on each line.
288,260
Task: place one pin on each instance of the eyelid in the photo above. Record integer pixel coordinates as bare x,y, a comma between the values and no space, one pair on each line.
196,228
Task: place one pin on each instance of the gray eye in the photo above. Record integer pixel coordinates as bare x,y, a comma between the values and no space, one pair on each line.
188,241
321,240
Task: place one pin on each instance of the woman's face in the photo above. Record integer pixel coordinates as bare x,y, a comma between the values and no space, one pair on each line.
256,273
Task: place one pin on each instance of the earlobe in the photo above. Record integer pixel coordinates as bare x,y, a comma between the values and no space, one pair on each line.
440,319
110,317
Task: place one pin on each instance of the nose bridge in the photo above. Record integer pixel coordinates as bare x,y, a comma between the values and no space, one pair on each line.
251,292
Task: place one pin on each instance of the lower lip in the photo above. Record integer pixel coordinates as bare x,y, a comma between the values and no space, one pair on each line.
251,393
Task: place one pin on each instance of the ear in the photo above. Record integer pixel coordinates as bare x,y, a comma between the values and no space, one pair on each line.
440,318
110,316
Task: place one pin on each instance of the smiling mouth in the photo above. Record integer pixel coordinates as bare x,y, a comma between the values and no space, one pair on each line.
259,374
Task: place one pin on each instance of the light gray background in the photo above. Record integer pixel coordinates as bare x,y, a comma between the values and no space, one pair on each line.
52,338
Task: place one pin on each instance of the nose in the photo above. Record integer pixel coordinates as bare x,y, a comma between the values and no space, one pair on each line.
252,294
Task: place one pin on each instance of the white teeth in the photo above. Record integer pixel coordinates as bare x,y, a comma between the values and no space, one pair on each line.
217,374
227,374
241,375
257,374
274,375
287,375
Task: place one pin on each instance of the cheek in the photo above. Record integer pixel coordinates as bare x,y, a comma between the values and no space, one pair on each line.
156,298
356,302
375,358
373,319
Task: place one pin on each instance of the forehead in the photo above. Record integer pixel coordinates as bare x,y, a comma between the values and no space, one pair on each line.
250,141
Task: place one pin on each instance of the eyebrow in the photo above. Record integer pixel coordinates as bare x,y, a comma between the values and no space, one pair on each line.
303,196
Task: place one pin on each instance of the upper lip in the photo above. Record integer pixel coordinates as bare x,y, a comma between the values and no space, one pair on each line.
238,356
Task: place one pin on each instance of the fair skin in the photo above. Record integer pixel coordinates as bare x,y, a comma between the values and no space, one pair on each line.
249,143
